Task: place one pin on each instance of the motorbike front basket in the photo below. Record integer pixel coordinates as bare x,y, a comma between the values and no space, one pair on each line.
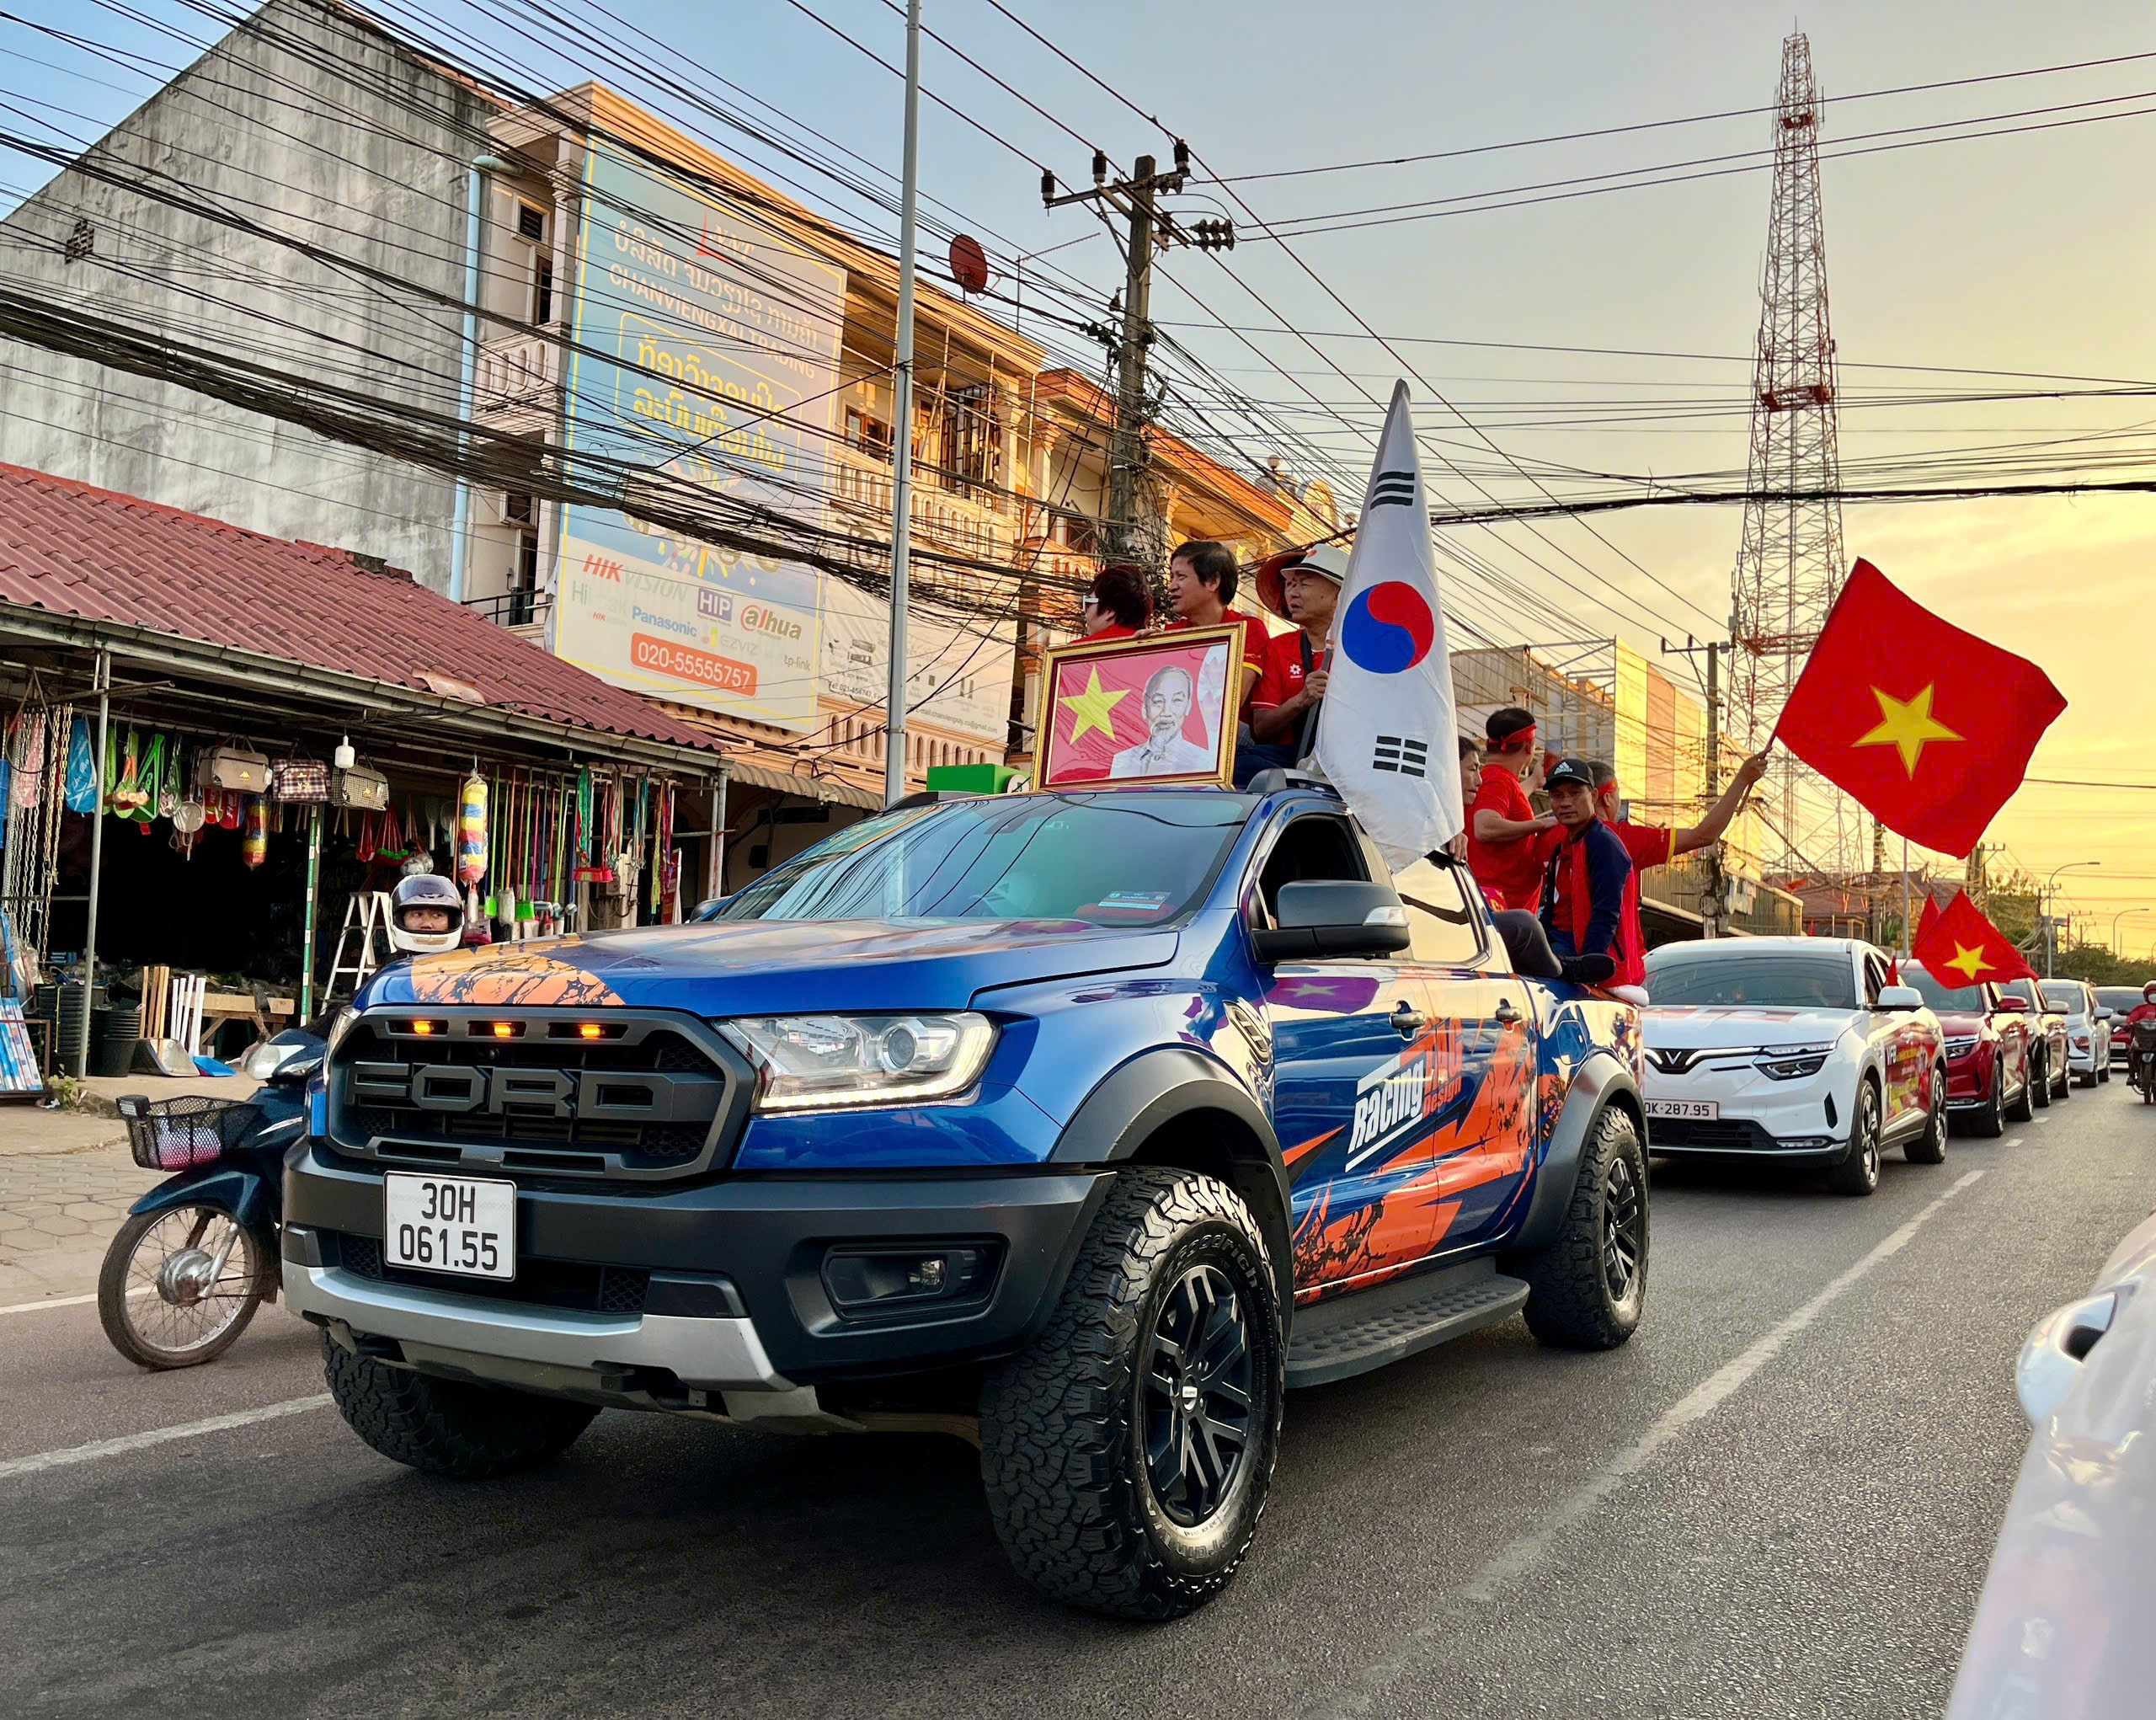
186,1133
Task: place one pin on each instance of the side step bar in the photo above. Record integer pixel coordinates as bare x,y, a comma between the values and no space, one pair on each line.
1351,1334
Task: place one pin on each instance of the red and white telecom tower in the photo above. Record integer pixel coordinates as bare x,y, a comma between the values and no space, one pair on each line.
1789,566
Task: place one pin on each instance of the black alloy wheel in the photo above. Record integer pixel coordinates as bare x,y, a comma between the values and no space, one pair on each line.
1624,1229
1929,1148
1858,1173
2040,1080
1197,1405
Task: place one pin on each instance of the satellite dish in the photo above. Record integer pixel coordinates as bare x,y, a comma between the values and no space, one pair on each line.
968,263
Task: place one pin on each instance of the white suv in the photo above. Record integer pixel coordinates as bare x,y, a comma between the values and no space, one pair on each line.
1797,1049
2088,1029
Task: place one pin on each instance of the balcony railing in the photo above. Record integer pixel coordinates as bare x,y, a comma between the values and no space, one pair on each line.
941,520
513,609
516,369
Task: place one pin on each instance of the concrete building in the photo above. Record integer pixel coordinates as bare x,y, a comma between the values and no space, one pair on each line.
309,122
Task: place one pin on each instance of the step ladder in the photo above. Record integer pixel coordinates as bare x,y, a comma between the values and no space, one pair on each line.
366,917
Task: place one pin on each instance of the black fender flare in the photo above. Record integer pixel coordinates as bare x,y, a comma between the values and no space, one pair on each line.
1151,1090
1600,1082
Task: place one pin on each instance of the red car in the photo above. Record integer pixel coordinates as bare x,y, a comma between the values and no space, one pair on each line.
1989,1053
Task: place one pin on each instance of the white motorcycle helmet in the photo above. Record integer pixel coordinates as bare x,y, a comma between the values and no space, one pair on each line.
421,898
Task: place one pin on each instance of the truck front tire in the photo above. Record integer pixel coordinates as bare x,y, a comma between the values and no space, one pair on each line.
1585,1291
1128,1451
448,1427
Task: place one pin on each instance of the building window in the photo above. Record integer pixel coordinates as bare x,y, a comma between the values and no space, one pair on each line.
520,514
532,228
968,439
82,239
867,433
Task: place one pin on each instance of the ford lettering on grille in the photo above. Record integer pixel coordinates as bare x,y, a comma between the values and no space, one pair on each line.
608,1095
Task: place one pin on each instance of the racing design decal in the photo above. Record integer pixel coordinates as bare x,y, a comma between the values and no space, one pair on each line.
529,974
1450,1113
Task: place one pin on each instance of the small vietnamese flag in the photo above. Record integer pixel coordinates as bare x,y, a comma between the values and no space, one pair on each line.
1928,726
1926,916
1958,946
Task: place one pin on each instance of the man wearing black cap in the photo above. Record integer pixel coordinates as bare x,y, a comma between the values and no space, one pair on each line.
1583,882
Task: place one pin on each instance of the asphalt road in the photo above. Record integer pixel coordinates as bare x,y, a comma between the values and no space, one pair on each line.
1778,1500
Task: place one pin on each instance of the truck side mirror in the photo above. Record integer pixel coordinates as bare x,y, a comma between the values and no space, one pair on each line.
1331,917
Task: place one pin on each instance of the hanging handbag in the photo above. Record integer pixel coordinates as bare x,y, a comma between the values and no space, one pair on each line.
361,787
297,780
238,769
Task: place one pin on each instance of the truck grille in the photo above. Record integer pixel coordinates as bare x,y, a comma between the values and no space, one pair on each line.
548,1092
550,1284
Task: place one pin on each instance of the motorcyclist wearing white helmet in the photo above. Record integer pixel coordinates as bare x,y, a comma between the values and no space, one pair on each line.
426,916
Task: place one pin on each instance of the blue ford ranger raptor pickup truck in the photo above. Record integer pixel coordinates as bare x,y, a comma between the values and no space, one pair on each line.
1084,1124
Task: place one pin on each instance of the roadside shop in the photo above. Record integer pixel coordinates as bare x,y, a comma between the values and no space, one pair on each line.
222,750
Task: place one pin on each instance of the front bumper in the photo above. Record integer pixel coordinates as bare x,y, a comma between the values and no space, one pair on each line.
1969,1078
715,1287
1800,1121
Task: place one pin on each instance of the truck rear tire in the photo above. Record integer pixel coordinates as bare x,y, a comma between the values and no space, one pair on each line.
448,1427
1128,1451
1585,1291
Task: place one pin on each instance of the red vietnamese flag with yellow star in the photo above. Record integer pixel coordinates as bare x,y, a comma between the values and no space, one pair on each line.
1928,726
1958,946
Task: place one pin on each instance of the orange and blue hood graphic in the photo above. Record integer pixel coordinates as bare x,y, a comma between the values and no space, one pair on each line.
744,967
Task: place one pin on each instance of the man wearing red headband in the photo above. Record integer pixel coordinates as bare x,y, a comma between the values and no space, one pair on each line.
1506,837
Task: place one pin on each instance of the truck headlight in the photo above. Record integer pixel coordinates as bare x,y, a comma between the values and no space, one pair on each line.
824,1062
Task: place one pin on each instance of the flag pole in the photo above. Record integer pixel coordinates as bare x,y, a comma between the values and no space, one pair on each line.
1906,942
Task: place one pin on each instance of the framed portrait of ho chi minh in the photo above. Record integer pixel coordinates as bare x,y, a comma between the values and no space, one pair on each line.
1159,710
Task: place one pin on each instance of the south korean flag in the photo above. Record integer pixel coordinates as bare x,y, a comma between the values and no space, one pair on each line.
1386,734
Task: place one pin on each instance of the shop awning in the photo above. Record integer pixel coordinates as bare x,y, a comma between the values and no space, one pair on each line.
297,625
808,788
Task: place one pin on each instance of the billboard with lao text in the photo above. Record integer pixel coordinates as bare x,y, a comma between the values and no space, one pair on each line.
706,349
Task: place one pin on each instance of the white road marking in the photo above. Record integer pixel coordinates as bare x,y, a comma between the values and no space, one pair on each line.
1520,1556
158,1436
139,1289
2015,1140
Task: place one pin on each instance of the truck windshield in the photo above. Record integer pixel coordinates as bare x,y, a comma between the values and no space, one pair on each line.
1770,981
1115,859
1968,998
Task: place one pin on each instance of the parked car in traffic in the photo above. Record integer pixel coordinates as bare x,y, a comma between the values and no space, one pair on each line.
1990,1065
2087,1031
1796,1051
2121,1001
2062,1629
2053,1047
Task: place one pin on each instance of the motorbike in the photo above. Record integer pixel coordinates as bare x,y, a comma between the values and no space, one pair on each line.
2141,1059
198,1254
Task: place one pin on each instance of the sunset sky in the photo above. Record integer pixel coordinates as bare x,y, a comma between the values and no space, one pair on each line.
2028,253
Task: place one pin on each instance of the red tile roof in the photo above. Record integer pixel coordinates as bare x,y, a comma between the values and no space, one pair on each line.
77,550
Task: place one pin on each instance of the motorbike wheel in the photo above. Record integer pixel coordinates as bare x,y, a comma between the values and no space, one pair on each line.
156,1299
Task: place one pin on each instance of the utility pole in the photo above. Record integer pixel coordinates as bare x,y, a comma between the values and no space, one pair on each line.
1149,231
1715,902
894,724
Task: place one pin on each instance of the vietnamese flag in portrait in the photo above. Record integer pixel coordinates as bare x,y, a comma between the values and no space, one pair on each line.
1148,710
1958,946
1929,727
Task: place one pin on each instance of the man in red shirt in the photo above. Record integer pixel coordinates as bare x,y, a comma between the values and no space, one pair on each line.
1303,587
1506,837
1656,845
1201,585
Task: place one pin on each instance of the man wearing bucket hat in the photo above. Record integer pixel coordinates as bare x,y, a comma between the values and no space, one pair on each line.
1301,586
